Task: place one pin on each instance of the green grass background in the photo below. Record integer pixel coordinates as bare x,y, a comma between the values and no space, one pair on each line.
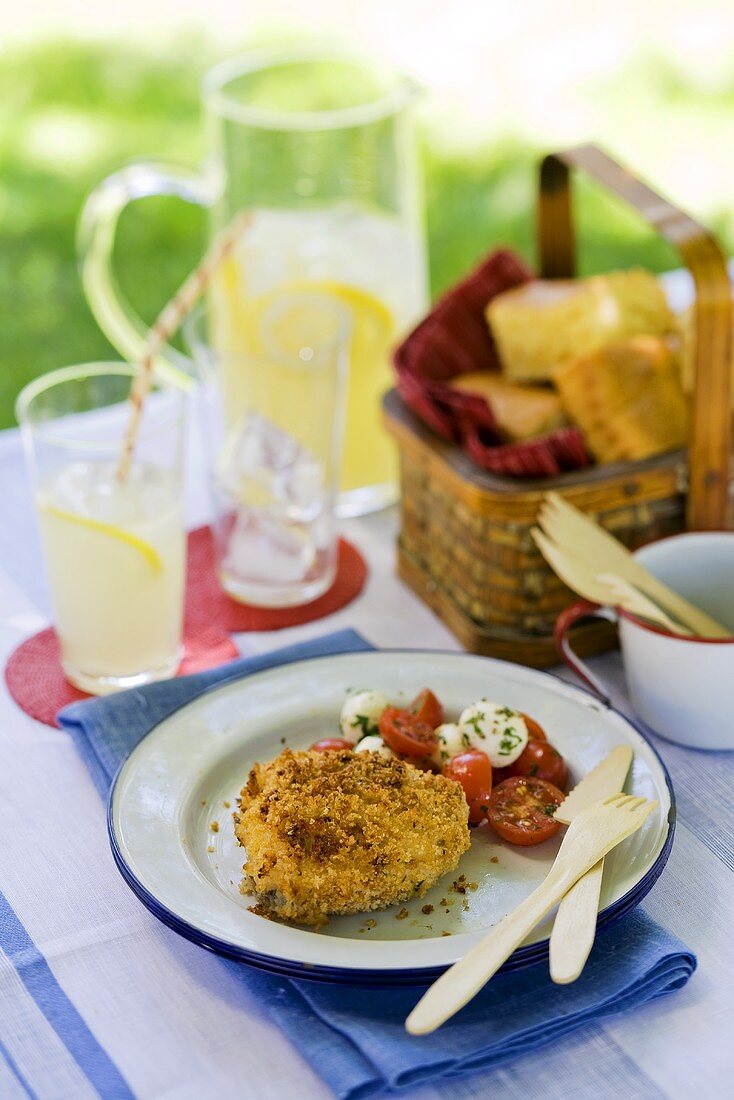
70,113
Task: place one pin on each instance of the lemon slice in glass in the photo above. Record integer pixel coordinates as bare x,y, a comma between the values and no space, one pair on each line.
111,530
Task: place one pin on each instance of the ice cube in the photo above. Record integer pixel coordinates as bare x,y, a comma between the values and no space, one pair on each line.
261,466
267,550
93,490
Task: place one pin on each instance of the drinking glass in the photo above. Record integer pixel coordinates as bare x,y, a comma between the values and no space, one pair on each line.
273,428
114,548
319,148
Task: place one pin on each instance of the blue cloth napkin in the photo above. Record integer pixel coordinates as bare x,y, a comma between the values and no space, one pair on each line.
354,1038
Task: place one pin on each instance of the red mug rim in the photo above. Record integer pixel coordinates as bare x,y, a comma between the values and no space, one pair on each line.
652,629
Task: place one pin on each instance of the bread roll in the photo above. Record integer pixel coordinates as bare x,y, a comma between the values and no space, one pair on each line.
542,324
522,412
626,398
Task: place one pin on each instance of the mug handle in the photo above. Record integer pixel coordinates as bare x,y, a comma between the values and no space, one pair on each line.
96,241
576,613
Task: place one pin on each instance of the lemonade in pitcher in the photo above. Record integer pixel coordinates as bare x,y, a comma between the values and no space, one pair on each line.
369,264
318,145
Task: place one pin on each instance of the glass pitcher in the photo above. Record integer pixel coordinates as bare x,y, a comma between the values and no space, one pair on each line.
319,148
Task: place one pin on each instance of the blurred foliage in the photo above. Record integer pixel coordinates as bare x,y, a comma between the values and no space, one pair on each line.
71,112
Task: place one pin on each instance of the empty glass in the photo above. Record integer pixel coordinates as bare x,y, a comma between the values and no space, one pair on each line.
273,423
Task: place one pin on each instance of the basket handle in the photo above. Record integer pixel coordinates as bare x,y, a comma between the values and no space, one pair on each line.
711,421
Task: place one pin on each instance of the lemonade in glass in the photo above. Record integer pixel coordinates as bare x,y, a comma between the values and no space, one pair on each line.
114,545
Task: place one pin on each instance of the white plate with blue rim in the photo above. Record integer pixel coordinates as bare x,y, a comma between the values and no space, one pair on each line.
172,836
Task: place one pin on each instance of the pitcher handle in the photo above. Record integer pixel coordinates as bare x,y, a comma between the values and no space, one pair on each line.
96,241
577,613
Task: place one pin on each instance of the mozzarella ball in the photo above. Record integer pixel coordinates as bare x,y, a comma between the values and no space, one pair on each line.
450,743
496,730
374,743
360,716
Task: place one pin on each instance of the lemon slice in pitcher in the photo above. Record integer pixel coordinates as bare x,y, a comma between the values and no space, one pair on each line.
274,319
111,530
372,321
274,324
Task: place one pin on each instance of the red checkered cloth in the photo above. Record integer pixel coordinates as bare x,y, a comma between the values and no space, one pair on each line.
454,339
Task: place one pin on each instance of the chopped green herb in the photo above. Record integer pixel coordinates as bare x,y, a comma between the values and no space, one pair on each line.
474,723
510,740
363,723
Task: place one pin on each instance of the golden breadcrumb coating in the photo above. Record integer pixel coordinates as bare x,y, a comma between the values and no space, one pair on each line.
345,832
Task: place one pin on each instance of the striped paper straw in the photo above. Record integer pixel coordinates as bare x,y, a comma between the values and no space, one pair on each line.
166,325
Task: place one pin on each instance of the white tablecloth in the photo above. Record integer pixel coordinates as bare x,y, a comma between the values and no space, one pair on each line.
172,1021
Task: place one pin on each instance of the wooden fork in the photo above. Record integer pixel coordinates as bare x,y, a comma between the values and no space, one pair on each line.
591,834
630,598
580,535
602,588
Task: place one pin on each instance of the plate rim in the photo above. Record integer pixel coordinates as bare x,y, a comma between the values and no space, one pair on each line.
522,957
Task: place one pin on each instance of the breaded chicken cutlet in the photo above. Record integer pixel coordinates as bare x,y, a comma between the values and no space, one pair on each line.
345,832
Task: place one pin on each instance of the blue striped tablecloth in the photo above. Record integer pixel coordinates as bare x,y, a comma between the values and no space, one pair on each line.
112,1004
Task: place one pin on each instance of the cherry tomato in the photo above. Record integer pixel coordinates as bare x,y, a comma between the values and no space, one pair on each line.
404,733
427,708
474,771
535,733
521,810
541,761
331,744
535,730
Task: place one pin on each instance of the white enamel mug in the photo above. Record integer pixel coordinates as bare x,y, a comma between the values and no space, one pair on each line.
682,687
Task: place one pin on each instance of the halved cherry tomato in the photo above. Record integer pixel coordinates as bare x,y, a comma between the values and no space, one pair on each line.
521,810
331,744
427,708
535,733
541,761
474,771
535,730
404,733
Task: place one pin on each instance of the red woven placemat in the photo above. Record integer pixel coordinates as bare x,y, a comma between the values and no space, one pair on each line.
206,602
36,680
37,683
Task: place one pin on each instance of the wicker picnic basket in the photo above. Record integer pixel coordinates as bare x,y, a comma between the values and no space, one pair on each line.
465,545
